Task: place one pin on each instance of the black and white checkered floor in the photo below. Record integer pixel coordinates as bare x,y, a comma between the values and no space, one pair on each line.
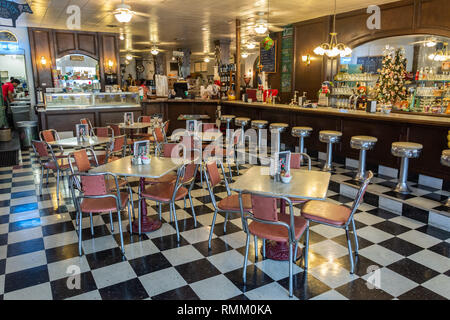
38,249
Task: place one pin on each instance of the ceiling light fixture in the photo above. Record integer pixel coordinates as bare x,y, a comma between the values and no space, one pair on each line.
431,44
251,45
121,37
440,55
244,54
333,48
123,13
154,51
206,60
129,57
261,24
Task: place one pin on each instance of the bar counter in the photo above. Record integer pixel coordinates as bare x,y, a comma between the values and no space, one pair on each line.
429,130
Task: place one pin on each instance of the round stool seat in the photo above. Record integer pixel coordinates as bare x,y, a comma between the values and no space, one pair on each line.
280,127
259,124
301,131
445,158
241,121
227,117
329,136
363,142
406,149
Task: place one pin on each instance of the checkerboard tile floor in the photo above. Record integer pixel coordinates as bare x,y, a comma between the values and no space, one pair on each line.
38,248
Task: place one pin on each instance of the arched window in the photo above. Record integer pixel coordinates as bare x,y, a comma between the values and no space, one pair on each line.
7,36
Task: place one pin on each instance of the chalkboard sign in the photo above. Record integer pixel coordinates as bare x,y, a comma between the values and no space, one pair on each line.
287,50
268,58
371,64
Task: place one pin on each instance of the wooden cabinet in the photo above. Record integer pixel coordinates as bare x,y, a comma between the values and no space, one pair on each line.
53,44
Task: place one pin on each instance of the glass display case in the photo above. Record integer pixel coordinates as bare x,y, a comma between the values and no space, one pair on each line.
94,99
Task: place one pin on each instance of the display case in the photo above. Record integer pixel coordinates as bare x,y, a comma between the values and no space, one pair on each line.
86,100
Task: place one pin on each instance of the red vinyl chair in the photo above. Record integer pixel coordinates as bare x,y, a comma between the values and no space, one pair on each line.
334,215
96,198
81,160
114,151
268,224
230,204
103,132
47,160
166,193
51,135
116,129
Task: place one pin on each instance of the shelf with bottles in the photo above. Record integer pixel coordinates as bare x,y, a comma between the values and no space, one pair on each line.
356,77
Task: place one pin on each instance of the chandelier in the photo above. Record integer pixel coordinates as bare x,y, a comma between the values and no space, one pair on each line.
440,55
154,50
333,48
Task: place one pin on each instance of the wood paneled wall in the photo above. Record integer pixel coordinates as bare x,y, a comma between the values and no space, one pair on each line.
397,18
53,44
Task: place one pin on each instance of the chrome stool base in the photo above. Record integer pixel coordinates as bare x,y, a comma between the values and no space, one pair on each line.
405,150
329,137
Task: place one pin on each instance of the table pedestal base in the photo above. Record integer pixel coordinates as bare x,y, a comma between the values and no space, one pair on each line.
147,225
279,251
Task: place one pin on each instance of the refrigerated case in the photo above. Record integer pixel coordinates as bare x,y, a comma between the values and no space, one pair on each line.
91,99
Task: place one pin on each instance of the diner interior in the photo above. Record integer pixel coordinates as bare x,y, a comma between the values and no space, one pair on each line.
231,150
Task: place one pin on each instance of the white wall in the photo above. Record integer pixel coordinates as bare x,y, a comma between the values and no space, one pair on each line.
14,64
371,49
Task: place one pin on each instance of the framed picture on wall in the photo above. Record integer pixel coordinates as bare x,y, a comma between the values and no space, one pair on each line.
128,117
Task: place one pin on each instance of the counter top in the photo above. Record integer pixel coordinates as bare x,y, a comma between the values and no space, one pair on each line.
78,108
159,100
392,117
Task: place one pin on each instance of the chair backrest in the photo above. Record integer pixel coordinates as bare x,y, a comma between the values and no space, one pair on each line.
209,127
213,173
40,148
82,160
159,134
118,144
103,132
264,208
360,194
296,160
49,135
166,127
116,129
145,119
93,185
168,149
190,172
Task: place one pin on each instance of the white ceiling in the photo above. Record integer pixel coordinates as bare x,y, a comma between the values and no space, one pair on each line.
193,24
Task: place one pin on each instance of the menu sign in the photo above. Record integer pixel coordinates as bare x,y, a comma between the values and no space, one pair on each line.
287,53
268,58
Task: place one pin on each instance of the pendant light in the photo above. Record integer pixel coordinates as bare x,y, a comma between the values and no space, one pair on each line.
206,59
129,57
154,50
123,13
440,55
333,48
250,45
244,54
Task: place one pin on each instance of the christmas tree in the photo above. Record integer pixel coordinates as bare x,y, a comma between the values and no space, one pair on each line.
391,86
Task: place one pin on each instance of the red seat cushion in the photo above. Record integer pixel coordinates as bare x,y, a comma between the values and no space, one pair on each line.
164,192
326,212
276,232
52,165
231,203
168,178
103,204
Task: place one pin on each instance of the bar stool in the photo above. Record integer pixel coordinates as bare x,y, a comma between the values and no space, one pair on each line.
277,128
329,137
406,151
362,143
242,122
445,161
301,133
227,118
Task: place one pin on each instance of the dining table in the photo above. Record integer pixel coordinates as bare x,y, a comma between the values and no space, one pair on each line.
74,142
157,168
305,185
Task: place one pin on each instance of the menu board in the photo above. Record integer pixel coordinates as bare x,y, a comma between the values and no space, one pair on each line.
287,54
268,58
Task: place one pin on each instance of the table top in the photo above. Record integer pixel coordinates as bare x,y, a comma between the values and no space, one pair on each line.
136,125
157,168
311,185
204,136
193,117
74,142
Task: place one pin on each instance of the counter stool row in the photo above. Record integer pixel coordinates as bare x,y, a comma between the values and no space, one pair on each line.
403,150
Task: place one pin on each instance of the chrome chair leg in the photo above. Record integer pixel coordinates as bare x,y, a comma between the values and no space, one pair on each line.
129,218
160,210
184,202
264,248
139,213
120,231
192,209
290,269
247,245
350,253
295,251
92,223
225,222
213,223
170,210
111,221
176,221
255,238
42,181
57,185
306,249
80,232
356,237
46,181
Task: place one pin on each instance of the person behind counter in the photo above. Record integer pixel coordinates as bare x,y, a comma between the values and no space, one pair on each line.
8,97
